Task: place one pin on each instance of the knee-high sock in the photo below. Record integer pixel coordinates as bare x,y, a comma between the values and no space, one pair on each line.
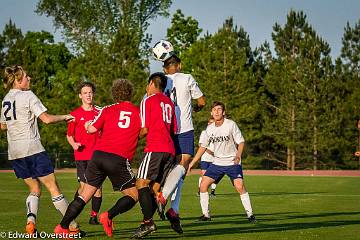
175,198
204,203
124,204
32,205
95,205
245,199
146,203
74,209
172,180
61,204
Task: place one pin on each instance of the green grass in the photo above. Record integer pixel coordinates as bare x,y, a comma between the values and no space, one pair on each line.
286,208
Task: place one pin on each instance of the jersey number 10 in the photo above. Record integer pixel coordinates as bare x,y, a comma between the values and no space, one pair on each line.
166,109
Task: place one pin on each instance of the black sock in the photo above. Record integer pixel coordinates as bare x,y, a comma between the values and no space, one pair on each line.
124,204
73,210
145,200
96,203
76,194
153,204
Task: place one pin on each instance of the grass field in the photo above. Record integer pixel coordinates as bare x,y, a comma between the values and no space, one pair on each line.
286,208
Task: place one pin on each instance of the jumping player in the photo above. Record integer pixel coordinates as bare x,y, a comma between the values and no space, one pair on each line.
120,126
19,113
83,143
181,88
227,143
159,125
206,159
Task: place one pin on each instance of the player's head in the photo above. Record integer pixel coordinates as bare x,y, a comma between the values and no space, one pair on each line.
210,120
218,110
122,90
16,77
86,92
157,83
172,65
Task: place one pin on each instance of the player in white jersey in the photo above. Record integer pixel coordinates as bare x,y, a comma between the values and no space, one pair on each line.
182,89
206,159
19,113
227,143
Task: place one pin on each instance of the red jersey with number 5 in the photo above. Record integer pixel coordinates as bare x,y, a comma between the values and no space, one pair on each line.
158,116
120,126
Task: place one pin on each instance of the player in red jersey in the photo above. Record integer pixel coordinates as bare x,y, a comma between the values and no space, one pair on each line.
83,143
120,126
158,123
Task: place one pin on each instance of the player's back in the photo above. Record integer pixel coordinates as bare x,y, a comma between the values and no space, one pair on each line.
158,116
182,88
20,110
120,126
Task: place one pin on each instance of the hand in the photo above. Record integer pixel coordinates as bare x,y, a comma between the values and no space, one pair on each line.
237,160
69,118
189,168
87,124
76,146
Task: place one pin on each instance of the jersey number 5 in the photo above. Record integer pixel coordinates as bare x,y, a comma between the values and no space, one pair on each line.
8,106
124,119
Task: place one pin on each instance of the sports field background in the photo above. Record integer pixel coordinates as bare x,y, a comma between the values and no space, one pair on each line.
287,207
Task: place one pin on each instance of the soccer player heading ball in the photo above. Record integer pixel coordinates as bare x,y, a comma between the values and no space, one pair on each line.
182,88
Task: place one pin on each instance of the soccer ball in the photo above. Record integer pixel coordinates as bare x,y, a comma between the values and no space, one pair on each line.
162,50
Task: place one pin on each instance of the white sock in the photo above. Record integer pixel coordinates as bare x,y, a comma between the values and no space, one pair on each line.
176,196
172,180
61,204
245,199
213,186
200,178
204,203
32,205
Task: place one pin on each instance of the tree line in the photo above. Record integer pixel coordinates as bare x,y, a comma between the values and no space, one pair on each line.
296,105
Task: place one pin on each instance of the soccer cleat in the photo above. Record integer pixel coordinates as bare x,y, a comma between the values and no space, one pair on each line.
174,220
212,194
203,218
62,231
252,219
30,228
107,223
93,221
161,203
144,229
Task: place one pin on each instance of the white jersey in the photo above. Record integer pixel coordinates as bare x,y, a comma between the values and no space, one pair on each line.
223,141
19,112
206,157
182,88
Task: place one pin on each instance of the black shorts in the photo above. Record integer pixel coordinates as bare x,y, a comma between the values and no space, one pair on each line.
117,168
156,166
81,169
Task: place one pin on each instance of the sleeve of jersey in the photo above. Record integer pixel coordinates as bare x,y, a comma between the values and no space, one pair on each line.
194,88
35,104
71,126
203,139
238,137
99,119
145,112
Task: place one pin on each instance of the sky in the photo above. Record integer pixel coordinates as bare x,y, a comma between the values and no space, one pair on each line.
257,17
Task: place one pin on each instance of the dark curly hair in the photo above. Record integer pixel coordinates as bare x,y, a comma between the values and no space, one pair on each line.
122,90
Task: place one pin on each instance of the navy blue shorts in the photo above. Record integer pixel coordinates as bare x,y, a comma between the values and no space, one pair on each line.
217,172
205,165
184,143
34,166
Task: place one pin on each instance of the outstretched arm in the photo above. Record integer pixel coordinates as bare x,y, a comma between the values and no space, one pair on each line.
48,118
199,153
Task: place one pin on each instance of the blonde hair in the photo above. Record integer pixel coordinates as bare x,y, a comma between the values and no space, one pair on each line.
12,74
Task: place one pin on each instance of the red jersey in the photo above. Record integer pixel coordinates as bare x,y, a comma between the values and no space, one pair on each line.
120,126
77,129
158,116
